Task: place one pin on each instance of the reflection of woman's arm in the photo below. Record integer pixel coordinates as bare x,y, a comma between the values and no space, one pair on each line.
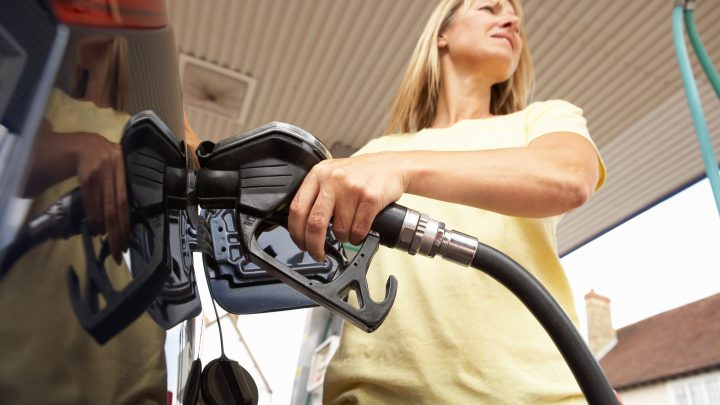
51,160
99,167
100,170
191,139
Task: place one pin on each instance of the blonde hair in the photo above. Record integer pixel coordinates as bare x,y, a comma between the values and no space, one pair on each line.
119,75
415,104
119,96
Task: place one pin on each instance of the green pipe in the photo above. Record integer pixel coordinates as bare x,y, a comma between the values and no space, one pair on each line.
700,51
691,91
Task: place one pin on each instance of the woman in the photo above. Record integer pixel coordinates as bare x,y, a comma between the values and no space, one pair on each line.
464,147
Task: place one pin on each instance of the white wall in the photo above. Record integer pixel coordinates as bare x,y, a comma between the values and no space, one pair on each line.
693,390
649,395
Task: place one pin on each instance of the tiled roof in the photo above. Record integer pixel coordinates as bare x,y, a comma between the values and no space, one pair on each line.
680,341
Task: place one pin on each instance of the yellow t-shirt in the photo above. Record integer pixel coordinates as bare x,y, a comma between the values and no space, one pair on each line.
45,354
454,335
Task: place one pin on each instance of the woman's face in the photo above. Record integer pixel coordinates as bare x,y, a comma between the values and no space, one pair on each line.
484,39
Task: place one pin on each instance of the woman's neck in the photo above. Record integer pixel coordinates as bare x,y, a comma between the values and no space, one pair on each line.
461,97
98,88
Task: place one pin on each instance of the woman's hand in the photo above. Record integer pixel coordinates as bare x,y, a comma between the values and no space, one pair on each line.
351,191
99,167
101,172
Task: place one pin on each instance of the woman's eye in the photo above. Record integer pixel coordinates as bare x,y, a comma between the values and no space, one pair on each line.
487,8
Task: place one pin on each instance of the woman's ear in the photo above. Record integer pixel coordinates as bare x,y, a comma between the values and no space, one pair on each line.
442,42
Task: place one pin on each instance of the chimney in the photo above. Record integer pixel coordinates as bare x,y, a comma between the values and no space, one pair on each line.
601,335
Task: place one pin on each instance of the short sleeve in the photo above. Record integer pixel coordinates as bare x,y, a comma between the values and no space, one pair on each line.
560,116
392,142
374,145
53,111
67,114
554,116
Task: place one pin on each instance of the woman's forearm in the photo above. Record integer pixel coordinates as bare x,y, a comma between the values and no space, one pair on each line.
53,160
536,181
555,173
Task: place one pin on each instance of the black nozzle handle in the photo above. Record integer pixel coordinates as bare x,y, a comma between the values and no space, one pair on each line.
218,188
389,224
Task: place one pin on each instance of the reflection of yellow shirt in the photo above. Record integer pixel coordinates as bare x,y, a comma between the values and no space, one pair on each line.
454,335
47,357
67,114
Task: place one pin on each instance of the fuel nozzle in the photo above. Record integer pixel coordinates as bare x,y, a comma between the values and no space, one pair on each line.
416,233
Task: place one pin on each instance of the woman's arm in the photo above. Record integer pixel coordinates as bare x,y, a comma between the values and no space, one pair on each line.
554,174
100,170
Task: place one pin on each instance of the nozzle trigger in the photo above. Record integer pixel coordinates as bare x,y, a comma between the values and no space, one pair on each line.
352,276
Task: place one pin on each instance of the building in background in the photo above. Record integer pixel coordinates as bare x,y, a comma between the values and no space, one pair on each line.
601,334
672,358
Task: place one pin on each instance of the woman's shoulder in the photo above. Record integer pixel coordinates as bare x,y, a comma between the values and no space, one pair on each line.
542,106
385,143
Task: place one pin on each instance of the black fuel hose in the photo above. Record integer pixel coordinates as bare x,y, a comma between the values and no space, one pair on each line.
60,221
590,377
410,231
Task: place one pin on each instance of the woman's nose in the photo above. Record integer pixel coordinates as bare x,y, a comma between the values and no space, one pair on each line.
510,22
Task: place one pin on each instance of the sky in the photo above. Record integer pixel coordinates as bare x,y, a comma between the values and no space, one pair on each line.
657,261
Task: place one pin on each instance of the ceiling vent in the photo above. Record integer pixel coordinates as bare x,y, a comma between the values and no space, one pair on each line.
216,90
